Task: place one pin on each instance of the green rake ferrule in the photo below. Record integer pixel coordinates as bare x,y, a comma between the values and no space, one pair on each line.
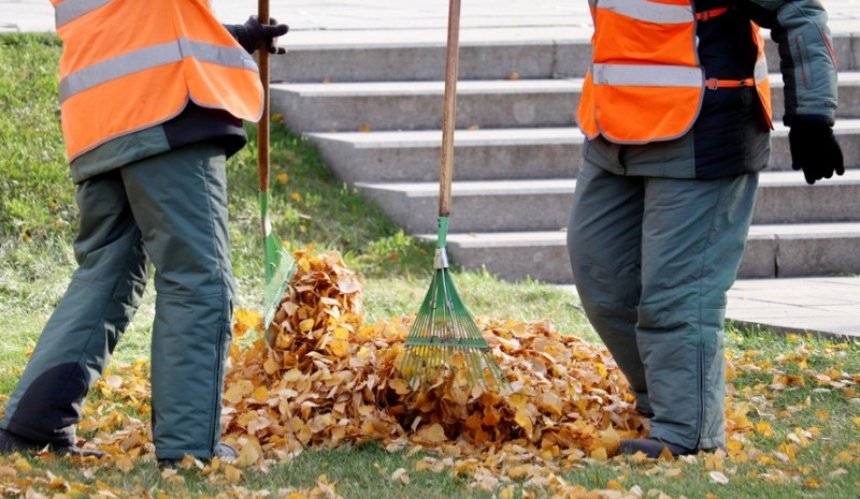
440,260
264,209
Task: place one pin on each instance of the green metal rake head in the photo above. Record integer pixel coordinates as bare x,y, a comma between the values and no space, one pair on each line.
444,337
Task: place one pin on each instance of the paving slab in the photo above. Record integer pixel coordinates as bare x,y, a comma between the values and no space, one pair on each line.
817,305
827,306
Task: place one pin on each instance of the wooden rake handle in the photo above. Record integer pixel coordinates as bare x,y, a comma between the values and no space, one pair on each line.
449,113
263,124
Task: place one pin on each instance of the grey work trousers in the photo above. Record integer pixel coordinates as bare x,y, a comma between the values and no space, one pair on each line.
653,259
170,209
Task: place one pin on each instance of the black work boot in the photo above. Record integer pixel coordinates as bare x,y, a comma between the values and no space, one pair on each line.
11,443
652,447
222,451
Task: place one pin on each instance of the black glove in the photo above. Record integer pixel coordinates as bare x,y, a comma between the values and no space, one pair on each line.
815,150
253,34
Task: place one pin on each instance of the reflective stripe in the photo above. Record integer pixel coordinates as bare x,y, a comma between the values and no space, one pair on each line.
760,72
70,10
642,75
151,57
651,12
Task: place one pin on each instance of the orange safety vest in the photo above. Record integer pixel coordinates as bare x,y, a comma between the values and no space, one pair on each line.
645,83
128,65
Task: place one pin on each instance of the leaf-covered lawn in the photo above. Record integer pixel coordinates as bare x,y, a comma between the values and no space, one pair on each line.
327,398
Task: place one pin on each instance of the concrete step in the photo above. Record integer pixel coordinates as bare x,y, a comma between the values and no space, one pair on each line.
493,53
410,55
418,105
484,103
772,251
413,156
497,154
801,250
543,204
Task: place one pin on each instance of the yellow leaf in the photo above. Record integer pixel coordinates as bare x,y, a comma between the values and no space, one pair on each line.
176,480
292,376
283,178
233,394
57,482
339,348
341,333
843,457
190,462
599,454
306,325
295,196
424,465
124,464
666,455
232,473
517,400
433,433
270,366
400,387
22,465
812,483
261,394
365,127
764,428
524,420
244,320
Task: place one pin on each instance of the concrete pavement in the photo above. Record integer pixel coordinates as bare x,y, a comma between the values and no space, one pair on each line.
339,15
826,305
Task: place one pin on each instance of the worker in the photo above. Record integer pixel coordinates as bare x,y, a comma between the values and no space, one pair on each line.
152,95
676,111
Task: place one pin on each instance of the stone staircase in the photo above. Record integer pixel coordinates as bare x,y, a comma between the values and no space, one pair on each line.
372,105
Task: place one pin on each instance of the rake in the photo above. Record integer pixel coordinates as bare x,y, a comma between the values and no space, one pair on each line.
444,337
279,265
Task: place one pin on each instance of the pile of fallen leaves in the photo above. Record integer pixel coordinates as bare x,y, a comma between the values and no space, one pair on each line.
323,377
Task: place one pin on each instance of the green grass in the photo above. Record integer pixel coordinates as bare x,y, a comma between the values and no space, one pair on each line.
38,224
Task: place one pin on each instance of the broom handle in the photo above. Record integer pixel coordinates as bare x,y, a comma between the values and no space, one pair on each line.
263,124
449,113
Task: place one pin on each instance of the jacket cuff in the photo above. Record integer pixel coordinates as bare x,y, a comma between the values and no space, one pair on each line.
240,33
807,119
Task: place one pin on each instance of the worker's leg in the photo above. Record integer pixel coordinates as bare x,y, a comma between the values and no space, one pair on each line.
83,330
179,200
604,240
694,233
